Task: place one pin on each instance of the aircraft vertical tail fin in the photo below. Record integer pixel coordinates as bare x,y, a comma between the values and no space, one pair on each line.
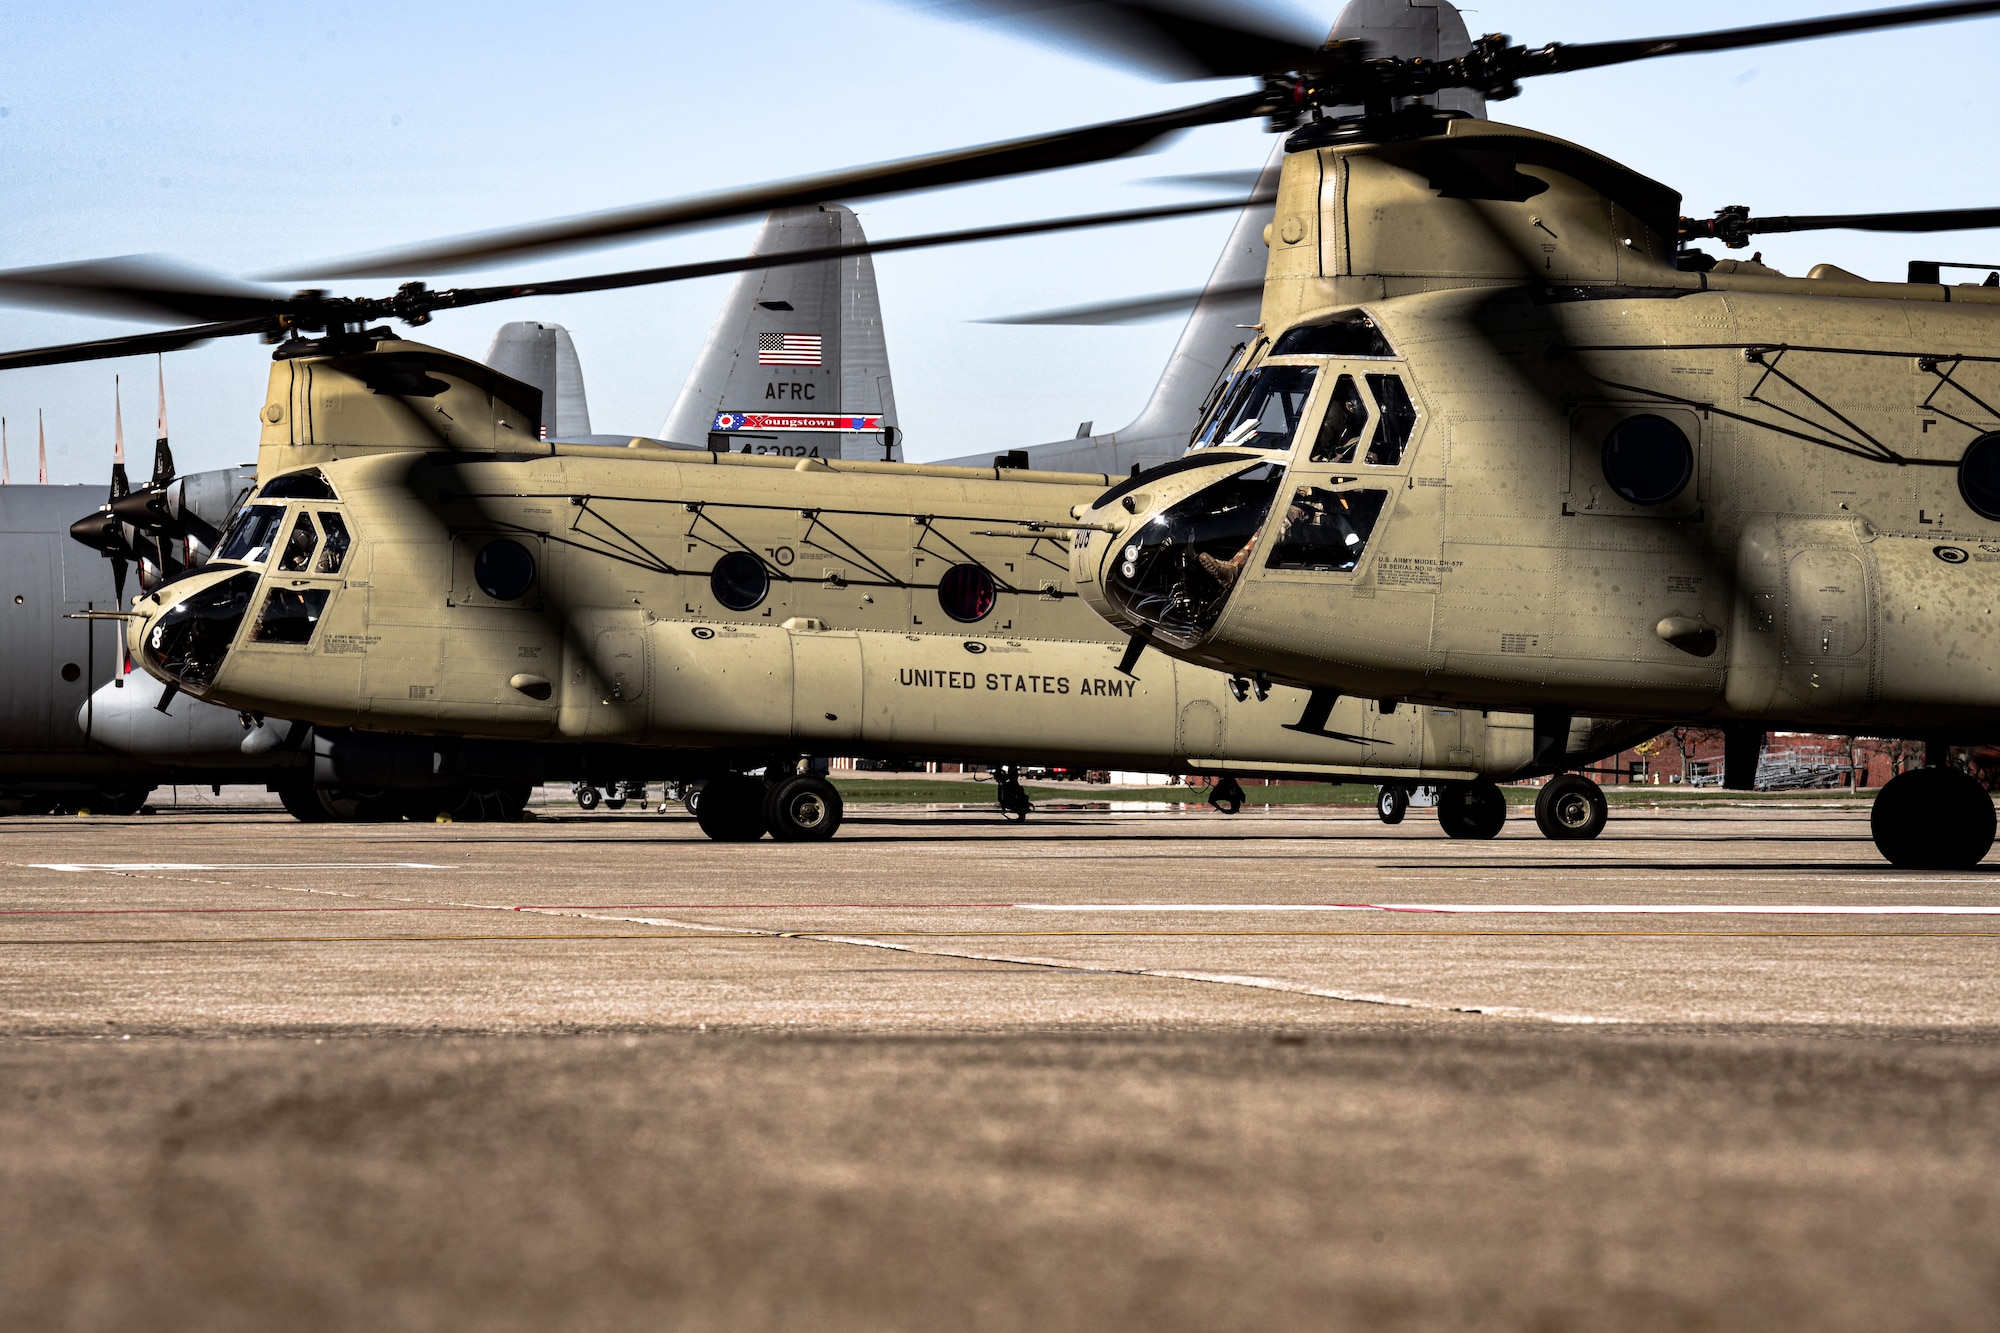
796,363
544,355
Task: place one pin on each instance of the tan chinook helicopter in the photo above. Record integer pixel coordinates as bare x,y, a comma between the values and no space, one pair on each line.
405,382
416,562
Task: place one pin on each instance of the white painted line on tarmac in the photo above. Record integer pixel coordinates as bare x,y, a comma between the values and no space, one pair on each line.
1533,909
75,866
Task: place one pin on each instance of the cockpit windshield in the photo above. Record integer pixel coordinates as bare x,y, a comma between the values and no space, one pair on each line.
1175,574
251,536
1262,410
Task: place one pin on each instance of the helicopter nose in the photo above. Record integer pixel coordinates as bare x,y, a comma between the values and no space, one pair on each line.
1179,540
187,628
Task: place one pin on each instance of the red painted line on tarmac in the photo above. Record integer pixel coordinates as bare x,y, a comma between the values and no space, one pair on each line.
206,911
739,907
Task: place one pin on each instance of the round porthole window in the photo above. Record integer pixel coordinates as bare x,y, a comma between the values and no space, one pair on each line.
1648,460
503,570
1979,475
967,593
739,581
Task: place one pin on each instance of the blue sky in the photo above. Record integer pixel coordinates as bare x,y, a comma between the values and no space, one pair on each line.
251,138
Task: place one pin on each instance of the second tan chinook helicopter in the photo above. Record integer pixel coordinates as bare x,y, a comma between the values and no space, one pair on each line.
1471,169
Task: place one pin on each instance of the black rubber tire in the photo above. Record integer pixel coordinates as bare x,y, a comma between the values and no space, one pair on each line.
358,807
1472,810
589,798
1391,804
121,800
302,803
1933,819
804,808
731,808
1571,808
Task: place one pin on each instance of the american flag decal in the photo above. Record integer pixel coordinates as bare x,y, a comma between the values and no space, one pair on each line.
788,349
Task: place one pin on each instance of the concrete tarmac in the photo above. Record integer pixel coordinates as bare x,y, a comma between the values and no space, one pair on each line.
1722,1068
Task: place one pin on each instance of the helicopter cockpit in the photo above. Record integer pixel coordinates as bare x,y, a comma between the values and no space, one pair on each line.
1331,399
301,541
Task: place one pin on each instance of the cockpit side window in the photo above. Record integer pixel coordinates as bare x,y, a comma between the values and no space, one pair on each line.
290,615
337,541
1326,531
299,548
1340,429
251,536
1395,420
1265,412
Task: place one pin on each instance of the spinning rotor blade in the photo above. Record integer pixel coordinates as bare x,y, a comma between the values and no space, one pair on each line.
1734,226
1562,59
418,304
1012,157
464,296
1132,310
1177,39
137,344
148,286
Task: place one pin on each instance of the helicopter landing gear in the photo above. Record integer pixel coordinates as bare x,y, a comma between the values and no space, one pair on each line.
730,808
1570,807
1391,804
1933,819
1472,810
1013,797
587,796
1227,796
803,808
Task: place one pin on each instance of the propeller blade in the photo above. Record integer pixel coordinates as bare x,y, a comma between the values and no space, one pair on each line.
1562,59
1174,39
1012,157
146,286
464,296
167,340
1133,310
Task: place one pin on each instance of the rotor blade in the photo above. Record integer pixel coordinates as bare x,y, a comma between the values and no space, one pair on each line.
1133,310
467,296
1944,219
1013,157
1176,39
1211,180
166,340
147,286
1562,58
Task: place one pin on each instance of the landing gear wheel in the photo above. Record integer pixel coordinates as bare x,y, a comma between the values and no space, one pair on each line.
1933,819
1014,802
588,797
1472,810
805,808
344,806
1227,796
302,802
731,808
1571,807
121,800
1392,803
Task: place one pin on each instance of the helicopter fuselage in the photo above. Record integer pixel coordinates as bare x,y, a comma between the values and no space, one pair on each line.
1501,452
